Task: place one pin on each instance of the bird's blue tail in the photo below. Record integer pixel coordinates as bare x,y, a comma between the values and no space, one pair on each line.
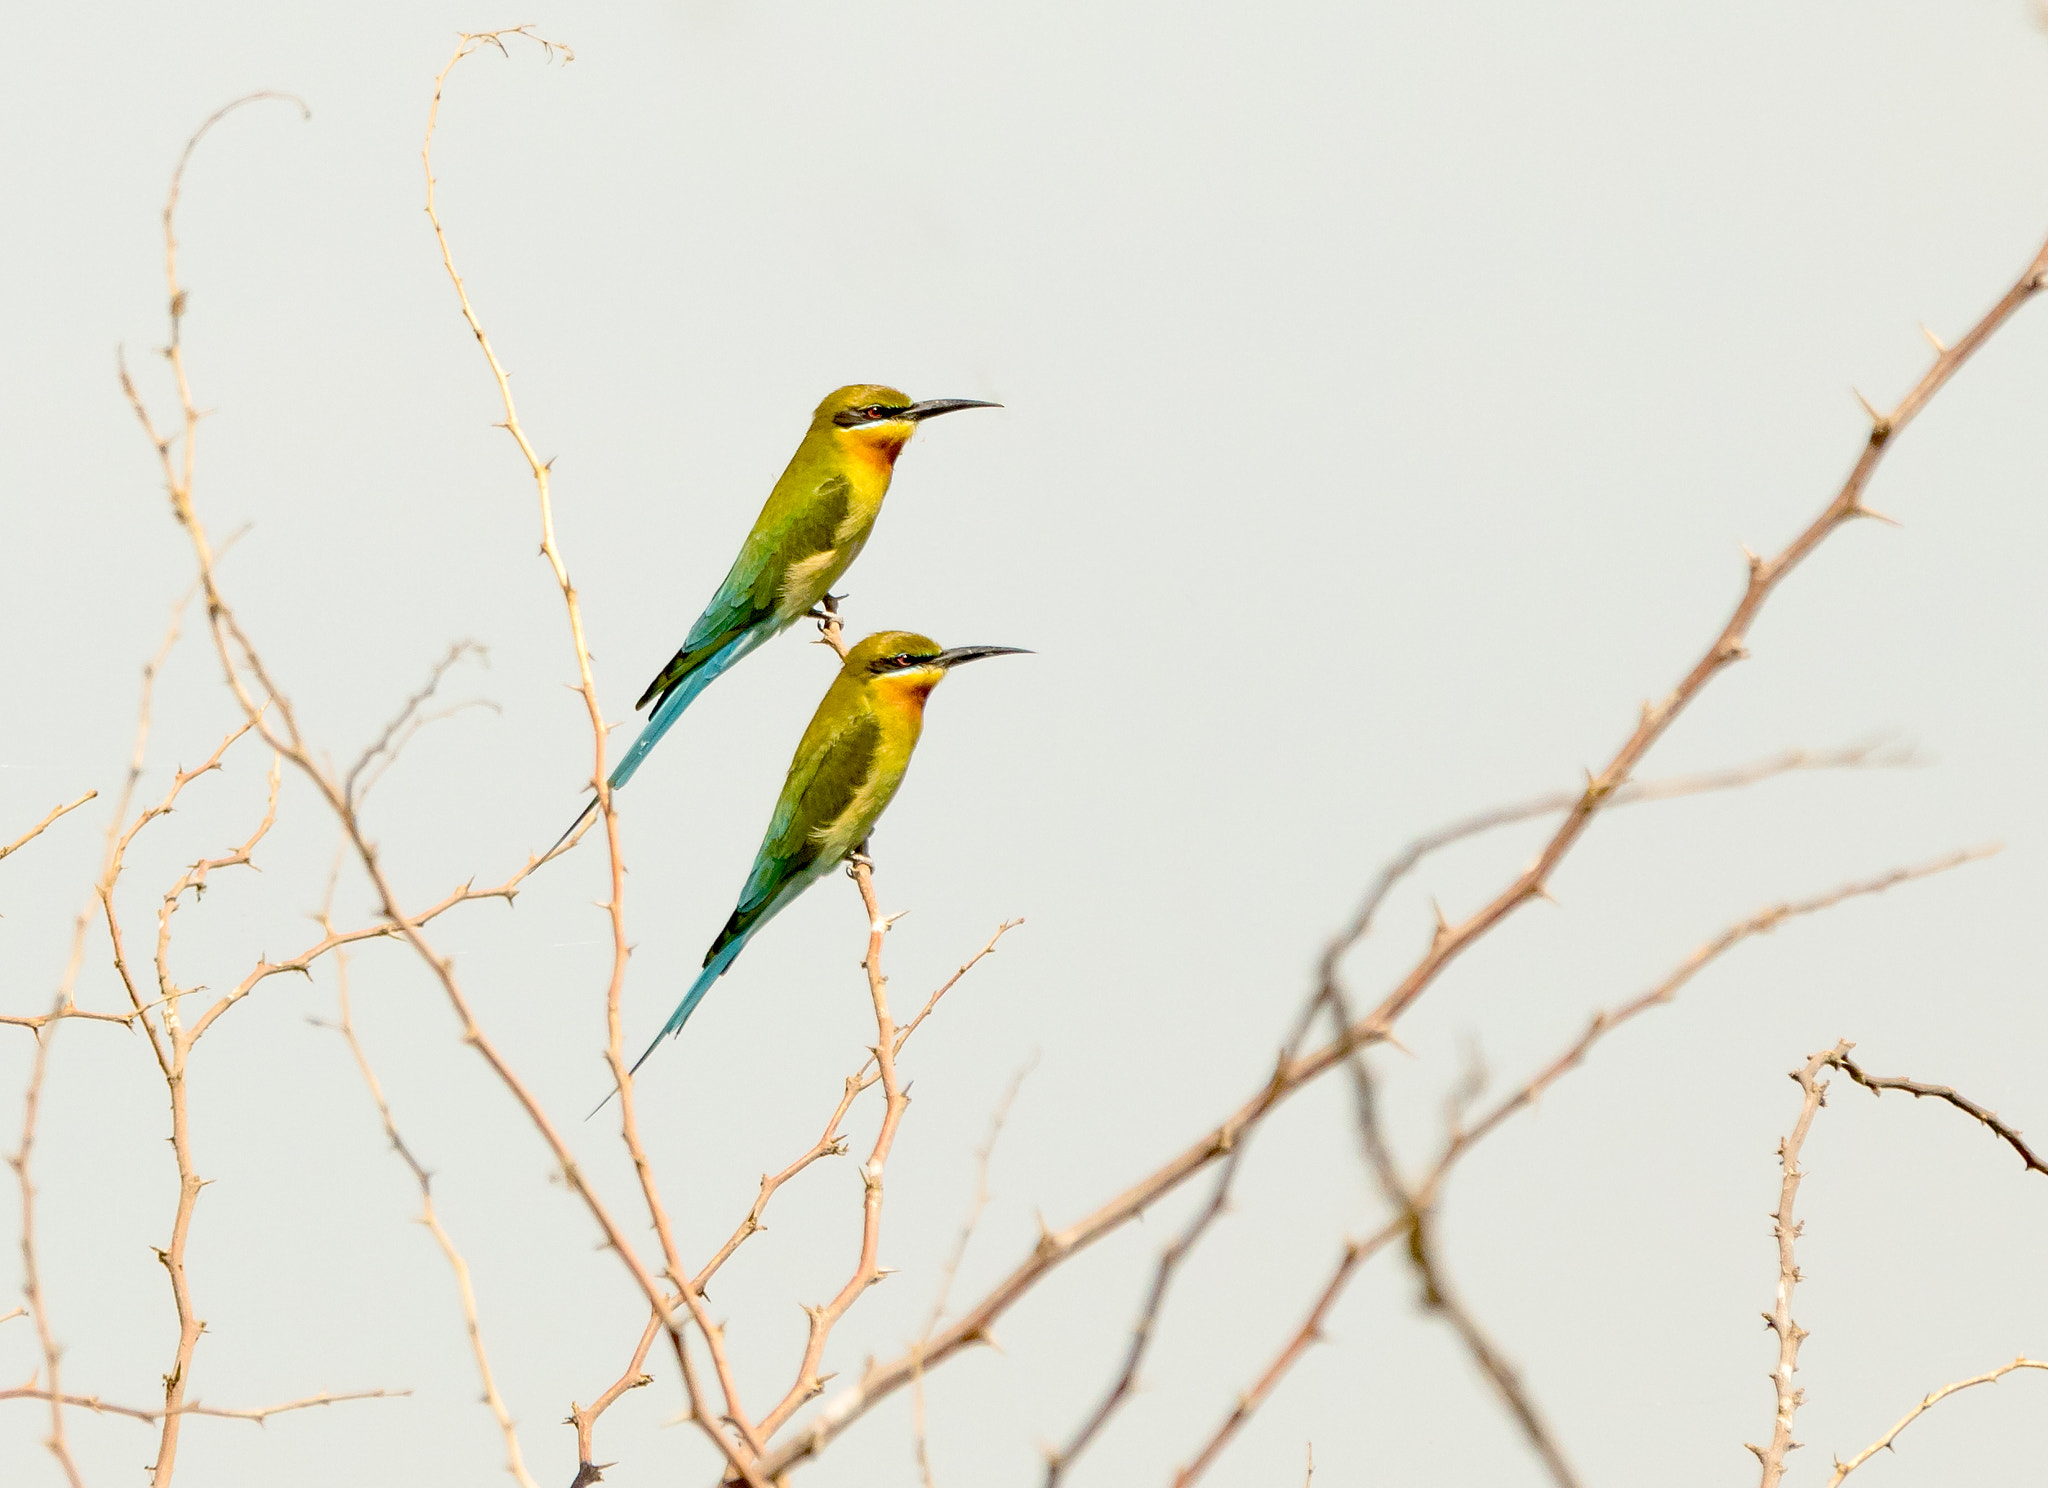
670,708
713,970
664,717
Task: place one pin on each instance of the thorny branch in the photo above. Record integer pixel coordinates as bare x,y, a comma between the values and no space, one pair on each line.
1058,1460
984,1155
1298,1343
31,1275
410,720
515,1463
1451,940
1786,1229
831,1143
868,1269
1463,1137
64,1004
1990,1377
1417,1214
258,1414
741,1453
1879,1084
1329,995
269,711
37,830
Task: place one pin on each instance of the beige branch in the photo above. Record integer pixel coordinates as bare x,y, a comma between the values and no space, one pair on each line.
1843,1469
258,1415
31,1275
1463,1137
1417,1214
1298,1343
515,1463
984,1155
868,1269
37,830
1054,1248
1786,1229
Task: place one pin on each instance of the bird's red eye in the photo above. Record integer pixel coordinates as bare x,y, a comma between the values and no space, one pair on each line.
875,410
901,658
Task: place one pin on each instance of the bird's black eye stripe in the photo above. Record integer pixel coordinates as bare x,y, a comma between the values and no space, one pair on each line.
872,414
902,661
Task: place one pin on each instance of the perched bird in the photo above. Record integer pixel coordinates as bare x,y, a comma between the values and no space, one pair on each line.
816,521
844,775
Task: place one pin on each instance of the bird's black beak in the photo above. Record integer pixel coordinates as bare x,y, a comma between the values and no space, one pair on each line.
933,407
961,654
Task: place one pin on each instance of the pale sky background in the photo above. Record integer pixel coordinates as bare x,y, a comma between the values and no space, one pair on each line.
1388,389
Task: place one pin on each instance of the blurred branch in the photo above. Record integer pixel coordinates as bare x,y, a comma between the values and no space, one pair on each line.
515,1464
1057,1461
1760,923
984,1155
1862,756
1876,755
1416,1211
259,1415
1786,1229
37,830
31,1275
883,1378
1879,1084
1298,1343
1843,1469
399,732
1463,1137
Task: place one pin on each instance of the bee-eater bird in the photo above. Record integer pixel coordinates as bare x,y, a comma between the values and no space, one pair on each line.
814,525
844,775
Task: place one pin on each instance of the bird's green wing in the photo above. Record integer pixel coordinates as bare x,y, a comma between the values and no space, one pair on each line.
833,776
790,532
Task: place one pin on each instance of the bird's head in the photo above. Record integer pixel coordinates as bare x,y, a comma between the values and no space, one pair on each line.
869,419
905,666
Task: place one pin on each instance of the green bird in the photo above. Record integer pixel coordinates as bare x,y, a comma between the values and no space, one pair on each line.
814,525
846,771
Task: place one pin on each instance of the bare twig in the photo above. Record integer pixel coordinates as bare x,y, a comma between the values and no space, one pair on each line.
1463,1137
830,1142
1298,1343
868,1269
258,1415
273,715
1664,991
1451,940
37,830
741,1453
31,1275
1879,1084
1843,1469
1875,755
1058,1460
1417,1213
515,1463
1330,995
385,750
881,1379
1786,1229
110,868
983,1156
